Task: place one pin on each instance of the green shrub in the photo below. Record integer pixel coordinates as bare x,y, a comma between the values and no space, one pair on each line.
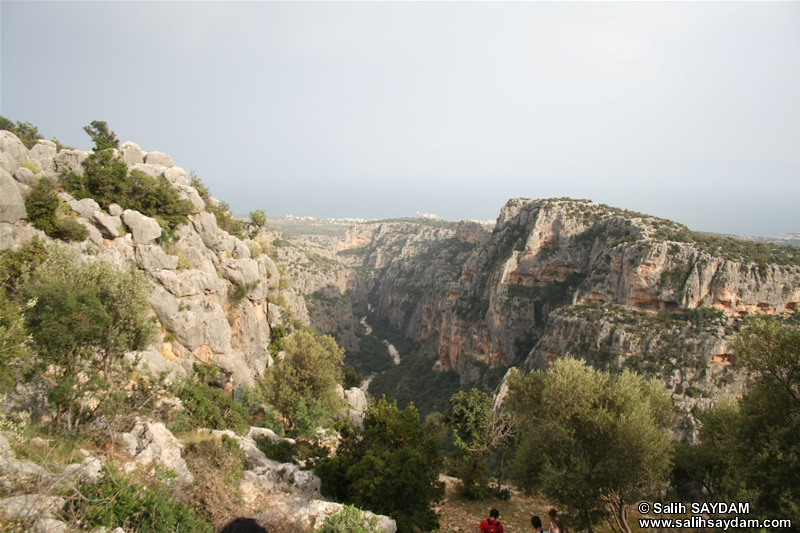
350,520
119,501
106,179
207,406
217,467
282,451
41,206
30,165
70,230
25,131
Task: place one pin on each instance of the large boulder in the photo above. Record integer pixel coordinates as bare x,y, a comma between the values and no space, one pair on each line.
152,444
316,512
25,176
12,206
199,324
131,153
30,506
158,158
20,475
13,150
241,272
44,152
190,193
154,171
85,208
70,161
152,257
108,225
144,229
177,176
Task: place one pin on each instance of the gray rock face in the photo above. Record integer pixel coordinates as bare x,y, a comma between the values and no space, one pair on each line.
190,193
205,224
131,153
114,210
177,176
154,171
91,471
50,525
70,161
158,158
44,152
25,176
30,507
152,257
13,150
12,206
19,475
108,225
198,323
151,444
6,453
144,230
94,234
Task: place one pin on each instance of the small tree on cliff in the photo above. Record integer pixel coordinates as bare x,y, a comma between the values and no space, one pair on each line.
103,137
477,430
591,441
301,383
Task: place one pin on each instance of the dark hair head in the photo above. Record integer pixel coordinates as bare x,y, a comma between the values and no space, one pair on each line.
243,525
494,513
552,512
536,522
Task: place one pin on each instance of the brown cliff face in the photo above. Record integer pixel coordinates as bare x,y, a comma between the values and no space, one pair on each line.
473,296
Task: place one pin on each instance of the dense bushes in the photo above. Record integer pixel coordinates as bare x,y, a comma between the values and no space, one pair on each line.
207,406
119,501
47,212
390,467
106,180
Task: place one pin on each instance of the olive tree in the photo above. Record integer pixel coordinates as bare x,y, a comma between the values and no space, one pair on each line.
591,441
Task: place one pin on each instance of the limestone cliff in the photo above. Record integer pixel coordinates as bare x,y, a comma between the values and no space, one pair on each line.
212,292
669,300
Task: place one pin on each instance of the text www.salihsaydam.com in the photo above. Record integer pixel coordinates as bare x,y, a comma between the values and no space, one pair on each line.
720,523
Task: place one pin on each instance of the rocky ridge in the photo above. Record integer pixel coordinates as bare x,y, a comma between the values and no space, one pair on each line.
617,288
212,292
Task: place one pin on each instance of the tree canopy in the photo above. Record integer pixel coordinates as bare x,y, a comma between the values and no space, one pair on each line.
749,450
389,467
301,383
591,441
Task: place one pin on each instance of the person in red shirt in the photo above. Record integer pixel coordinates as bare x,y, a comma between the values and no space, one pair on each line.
492,524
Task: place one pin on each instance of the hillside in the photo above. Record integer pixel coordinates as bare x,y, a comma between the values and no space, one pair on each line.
157,341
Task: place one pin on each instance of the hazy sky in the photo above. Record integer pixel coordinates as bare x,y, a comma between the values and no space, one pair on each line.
688,111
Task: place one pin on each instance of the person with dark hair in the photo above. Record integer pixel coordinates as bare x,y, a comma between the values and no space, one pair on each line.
536,522
492,524
555,525
243,525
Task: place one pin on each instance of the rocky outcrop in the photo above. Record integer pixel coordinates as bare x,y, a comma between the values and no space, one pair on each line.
143,228
151,444
12,206
210,293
